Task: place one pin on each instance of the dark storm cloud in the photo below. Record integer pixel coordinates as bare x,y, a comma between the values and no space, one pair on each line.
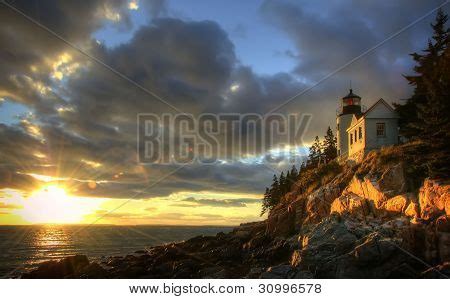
157,8
156,181
25,45
327,35
189,64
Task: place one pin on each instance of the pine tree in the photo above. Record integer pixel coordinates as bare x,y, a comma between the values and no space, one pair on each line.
315,152
302,168
434,117
426,81
266,202
425,116
282,182
294,173
275,193
329,146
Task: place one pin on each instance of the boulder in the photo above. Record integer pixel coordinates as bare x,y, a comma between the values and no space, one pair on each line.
443,224
350,204
68,267
392,180
375,250
412,210
397,204
255,272
299,208
328,239
281,221
303,275
280,271
434,197
269,275
367,188
447,207
296,258
209,272
439,271
294,242
257,241
242,234
94,270
444,246
319,202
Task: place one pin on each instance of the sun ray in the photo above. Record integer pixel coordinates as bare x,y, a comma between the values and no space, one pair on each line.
52,204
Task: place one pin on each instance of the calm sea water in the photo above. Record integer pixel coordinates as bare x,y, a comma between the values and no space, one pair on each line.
22,247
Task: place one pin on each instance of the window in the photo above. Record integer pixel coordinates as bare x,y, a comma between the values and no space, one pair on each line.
351,138
360,132
338,127
356,136
381,130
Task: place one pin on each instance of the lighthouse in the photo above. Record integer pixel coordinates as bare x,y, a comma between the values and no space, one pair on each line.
350,106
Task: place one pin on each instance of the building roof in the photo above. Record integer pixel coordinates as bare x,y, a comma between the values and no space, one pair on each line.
356,119
380,101
351,95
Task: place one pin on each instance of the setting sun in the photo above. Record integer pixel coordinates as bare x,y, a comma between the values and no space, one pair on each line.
52,204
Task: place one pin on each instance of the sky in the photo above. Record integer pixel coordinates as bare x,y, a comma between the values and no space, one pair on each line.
68,123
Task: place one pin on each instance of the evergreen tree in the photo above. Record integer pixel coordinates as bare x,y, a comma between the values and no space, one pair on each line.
425,116
289,182
274,194
294,173
426,81
266,202
315,152
283,183
329,146
302,168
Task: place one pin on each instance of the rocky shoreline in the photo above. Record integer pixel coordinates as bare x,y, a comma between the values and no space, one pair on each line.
351,221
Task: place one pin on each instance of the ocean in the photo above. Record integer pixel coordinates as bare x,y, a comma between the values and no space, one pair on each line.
22,247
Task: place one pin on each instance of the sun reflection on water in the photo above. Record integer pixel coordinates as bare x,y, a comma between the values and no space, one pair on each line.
52,241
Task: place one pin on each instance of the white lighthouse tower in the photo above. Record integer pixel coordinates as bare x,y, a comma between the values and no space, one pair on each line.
350,105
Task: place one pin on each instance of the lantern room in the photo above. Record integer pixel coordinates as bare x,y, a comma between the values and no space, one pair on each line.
351,104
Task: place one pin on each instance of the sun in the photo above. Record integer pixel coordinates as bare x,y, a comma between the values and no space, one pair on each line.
52,204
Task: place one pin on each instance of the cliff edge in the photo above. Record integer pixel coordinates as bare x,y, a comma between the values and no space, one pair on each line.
375,219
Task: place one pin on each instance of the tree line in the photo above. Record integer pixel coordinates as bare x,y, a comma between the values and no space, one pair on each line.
320,152
425,115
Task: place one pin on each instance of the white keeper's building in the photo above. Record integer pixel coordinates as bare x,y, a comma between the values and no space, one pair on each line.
360,131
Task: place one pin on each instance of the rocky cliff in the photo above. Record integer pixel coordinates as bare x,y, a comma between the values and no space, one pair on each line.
376,219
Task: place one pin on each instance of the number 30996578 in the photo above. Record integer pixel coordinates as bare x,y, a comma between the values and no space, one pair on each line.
290,288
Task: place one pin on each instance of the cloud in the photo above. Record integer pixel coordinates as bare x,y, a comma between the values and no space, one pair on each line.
214,202
238,202
327,35
157,8
191,65
9,206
